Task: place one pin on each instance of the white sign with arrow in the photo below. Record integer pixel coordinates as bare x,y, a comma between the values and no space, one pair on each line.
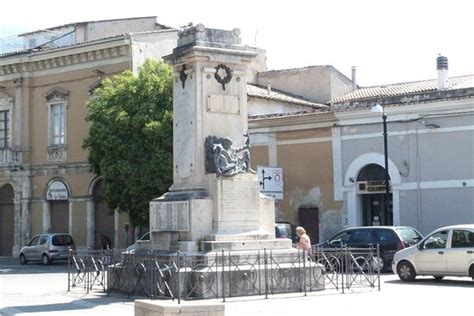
271,181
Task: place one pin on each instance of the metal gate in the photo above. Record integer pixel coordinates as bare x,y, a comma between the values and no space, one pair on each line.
59,216
6,220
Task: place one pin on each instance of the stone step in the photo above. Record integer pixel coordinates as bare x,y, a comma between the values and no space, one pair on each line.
246,244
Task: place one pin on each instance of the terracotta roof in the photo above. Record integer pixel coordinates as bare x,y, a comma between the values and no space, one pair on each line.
280,96
405,88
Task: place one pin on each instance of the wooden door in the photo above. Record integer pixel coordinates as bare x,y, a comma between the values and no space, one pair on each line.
309,219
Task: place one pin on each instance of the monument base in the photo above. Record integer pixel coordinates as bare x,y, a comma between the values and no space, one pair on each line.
171,308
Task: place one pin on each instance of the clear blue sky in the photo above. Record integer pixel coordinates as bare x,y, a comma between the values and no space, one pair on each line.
389,41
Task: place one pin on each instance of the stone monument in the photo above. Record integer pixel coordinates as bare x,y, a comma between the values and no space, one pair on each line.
215,202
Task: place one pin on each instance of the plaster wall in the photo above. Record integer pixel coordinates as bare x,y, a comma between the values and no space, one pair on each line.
77,83
79,217
36,217
152,46
103,29
433,160
317,83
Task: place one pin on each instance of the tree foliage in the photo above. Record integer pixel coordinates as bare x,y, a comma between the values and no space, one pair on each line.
130,139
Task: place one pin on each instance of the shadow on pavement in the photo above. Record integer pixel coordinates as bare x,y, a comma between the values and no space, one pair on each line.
464,282
10,265
54,307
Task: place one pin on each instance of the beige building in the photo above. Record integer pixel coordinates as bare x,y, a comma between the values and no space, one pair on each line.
291,128
45,182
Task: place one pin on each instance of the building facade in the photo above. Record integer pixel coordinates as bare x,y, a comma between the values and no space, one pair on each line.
334,164
430,143
45,181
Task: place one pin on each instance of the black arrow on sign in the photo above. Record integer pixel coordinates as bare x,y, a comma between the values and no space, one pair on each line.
264,178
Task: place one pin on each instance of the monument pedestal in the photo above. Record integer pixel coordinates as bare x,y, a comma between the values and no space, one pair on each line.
232,215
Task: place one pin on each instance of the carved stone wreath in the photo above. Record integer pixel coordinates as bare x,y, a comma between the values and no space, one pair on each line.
223,75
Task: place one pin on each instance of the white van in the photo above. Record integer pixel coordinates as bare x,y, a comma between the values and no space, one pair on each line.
447,251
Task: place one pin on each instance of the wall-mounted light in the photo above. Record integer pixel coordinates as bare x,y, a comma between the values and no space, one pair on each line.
351,179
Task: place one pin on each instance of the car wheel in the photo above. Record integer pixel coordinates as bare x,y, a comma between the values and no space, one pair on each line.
471,271
23,259
405,271
379,264
45,260
438,277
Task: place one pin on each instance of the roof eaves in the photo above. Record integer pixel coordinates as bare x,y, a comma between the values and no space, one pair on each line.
42,50
287,115
86,22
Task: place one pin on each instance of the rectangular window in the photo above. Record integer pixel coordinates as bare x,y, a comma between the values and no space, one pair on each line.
4,129
57,124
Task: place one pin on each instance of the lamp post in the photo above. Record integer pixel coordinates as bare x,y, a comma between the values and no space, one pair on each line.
377,108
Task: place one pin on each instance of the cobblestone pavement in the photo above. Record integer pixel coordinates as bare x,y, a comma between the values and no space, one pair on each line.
38,290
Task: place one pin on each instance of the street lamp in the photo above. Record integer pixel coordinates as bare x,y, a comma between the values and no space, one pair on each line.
377,108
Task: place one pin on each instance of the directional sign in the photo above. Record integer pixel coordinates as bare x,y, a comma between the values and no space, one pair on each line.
271,181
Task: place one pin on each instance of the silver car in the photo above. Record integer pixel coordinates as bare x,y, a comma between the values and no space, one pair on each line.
447,251
46,248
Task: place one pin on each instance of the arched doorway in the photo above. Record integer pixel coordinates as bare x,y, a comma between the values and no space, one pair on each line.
372,191
57,196
104,219
6,220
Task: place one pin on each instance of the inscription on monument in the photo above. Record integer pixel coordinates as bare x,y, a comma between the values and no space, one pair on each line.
169,216
241,198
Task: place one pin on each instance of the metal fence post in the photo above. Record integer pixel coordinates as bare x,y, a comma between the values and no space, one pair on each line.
69,271
178,266
265,267
378,256
223,276
217,274
304,272
344,266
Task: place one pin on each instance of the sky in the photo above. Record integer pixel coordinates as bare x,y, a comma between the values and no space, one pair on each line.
389,41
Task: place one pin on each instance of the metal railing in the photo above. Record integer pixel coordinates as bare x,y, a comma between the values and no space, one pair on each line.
175,275
350,268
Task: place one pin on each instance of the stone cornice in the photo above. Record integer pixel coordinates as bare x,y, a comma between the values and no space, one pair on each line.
73,55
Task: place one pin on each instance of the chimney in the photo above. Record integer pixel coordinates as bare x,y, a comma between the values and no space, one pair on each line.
354,81
442,66
269,88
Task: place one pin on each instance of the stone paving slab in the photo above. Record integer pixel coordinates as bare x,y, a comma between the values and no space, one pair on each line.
44,292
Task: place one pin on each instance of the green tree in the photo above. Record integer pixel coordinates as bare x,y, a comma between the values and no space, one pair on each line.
130,139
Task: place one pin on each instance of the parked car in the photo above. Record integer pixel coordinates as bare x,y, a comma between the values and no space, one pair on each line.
286,230
447,251
47,248
389,238
133,247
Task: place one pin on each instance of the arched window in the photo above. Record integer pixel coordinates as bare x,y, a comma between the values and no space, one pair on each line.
371,172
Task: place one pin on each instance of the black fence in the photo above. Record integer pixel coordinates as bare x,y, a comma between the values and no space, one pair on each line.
174,275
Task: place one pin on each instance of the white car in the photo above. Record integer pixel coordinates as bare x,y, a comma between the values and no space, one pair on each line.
133,247
447,251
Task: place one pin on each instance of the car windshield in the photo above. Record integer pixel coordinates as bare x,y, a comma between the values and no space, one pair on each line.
409,235
145,237
62,240
283,230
